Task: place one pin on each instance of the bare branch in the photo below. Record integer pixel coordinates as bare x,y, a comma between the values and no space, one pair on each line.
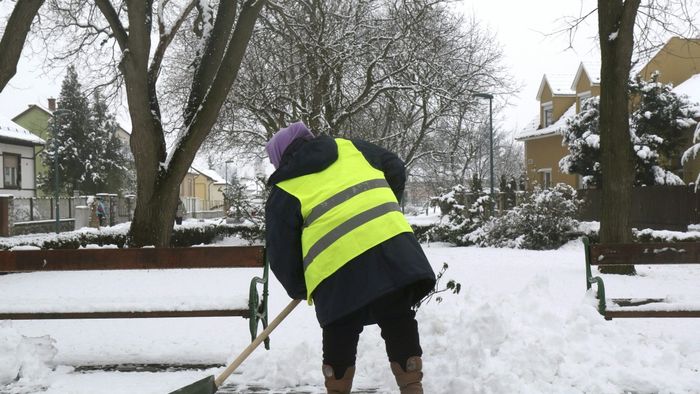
13,38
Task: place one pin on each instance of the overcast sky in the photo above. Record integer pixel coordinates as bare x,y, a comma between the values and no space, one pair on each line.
525,29
520,27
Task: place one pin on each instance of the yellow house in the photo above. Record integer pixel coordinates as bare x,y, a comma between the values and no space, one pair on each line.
542,137
677,62
586,82
202,190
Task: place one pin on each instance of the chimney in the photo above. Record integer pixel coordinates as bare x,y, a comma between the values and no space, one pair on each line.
52,104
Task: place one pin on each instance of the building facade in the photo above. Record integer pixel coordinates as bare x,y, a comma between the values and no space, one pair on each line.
677,62
17,146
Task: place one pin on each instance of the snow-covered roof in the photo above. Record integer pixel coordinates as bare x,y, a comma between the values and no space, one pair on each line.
531,131
211,174
560,84
12,131
592,70
691,88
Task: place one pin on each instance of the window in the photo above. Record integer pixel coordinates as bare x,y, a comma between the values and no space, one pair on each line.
545,177
581,98
547,115
11,174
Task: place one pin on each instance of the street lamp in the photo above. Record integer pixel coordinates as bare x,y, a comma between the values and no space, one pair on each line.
228,183
59,113
490,98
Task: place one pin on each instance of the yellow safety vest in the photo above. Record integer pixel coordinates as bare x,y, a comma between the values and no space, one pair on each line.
348,208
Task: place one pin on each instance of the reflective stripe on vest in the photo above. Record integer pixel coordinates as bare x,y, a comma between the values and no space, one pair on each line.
348,208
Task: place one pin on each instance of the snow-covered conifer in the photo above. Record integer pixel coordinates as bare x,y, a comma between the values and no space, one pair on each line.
83,146
658,131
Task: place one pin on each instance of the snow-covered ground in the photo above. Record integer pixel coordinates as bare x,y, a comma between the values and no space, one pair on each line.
522,323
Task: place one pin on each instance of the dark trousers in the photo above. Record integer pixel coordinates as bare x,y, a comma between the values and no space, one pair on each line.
395,318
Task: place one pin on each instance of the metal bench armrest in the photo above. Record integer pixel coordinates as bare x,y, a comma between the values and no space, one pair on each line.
258,306
590,279
600,292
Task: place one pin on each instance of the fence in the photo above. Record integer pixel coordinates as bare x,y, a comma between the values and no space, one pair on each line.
655,207
25,215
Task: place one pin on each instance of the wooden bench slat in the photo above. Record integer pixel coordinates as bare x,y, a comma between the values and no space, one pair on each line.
610,314
124,314
648,253
635,301
131,258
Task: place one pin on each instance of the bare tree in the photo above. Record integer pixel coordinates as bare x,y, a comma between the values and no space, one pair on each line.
400,74
14,36
123,30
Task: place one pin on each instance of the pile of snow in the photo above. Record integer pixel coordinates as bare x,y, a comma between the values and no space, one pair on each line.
24,358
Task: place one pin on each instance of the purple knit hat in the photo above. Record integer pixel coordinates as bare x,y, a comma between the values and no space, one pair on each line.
280,141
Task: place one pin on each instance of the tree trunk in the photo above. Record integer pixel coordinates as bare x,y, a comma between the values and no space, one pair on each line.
14,36
153,224
616,33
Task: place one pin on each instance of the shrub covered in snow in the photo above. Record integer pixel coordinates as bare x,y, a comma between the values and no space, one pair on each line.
544,220
463,213
658,132
190,233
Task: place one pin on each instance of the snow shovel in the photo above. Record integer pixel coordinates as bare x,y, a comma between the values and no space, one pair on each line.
210,385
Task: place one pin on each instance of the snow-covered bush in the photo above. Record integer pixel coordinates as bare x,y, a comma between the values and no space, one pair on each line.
693,152
463,213
544,220
658,133
189,234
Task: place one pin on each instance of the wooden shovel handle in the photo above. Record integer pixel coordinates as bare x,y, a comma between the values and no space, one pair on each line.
257,341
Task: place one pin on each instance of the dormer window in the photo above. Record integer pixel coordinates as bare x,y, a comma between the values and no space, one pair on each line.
583,97
547,115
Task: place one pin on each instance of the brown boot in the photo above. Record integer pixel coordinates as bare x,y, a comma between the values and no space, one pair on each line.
409,381
338,386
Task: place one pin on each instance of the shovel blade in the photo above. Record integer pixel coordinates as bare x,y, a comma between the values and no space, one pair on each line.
204,386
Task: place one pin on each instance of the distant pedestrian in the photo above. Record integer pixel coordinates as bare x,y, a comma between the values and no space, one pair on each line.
94,221
101,213
180,211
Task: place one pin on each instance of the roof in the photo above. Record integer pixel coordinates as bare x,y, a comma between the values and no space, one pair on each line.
531,131
10,130
211,174
592,70
691,88
50,113
31,107
560,84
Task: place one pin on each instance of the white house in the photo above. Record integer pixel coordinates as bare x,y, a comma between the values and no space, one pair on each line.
17,144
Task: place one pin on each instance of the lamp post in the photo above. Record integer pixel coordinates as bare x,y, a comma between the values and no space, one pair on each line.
490,98
57,114
228,184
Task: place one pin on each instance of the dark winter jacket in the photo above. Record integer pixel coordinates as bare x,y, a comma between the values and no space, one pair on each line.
391,265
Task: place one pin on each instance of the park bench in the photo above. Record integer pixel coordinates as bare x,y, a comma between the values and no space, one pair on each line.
666,253
33,261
